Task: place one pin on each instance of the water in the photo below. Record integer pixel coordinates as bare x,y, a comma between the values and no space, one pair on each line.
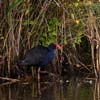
73,89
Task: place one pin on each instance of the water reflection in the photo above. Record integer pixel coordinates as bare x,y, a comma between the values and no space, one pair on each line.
73,89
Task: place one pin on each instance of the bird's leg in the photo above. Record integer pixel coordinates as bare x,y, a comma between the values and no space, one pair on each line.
39,74
32,72
39,87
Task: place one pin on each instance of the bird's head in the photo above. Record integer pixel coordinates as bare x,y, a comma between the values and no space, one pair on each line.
54,46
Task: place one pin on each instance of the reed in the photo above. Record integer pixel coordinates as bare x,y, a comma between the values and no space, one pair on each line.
28,23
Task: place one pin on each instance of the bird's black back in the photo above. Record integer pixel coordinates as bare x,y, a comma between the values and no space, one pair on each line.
38,56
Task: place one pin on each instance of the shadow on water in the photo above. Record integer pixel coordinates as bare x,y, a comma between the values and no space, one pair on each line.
73,89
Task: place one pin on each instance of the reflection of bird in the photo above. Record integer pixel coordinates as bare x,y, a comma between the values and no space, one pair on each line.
39,56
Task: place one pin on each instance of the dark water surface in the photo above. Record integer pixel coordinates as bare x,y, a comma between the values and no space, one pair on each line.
73,89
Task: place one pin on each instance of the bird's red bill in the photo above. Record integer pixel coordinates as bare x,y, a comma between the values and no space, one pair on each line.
58,46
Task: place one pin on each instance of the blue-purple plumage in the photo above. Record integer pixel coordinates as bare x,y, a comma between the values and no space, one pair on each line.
38,56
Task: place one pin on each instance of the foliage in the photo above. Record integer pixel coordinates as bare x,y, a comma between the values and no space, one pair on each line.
14,4
50,36
25,23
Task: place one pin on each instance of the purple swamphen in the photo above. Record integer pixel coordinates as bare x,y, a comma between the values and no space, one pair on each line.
39,56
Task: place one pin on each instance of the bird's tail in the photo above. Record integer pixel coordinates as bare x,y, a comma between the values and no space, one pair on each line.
20,67
22,63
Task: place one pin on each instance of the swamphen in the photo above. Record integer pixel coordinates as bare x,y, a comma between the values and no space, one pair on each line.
39,56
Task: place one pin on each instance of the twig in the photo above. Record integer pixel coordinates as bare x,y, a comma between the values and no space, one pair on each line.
7,83
9,79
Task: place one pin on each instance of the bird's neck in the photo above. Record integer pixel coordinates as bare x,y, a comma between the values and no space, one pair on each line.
51,49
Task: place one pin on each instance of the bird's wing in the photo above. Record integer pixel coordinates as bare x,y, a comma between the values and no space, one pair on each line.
36,55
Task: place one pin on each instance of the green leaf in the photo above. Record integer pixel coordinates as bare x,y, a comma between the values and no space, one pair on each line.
72,16
53,33
79,34
29,22
54,22
77,40
76,4
2,37
65,41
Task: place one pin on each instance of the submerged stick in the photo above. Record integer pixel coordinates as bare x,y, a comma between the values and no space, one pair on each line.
9,79
7,83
